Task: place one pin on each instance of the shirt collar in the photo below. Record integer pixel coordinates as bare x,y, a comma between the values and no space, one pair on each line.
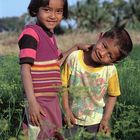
49,33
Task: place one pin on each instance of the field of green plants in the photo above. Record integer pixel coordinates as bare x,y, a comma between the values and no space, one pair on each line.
126,116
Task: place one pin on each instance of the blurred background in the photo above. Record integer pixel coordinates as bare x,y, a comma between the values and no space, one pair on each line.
86,14
87,18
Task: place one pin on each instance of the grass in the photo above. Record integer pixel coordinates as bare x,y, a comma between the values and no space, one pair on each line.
125,121
129,71
10,97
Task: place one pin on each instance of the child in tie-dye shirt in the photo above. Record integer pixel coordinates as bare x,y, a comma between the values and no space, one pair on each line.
91,82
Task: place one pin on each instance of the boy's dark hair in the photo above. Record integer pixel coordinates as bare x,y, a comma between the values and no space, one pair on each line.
123,40
34,6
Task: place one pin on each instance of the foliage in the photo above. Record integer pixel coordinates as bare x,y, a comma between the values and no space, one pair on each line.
94,14
10,97
11,24
129,70
88,15
126,117
125,120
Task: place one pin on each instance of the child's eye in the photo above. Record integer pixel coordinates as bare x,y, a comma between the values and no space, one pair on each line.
47,9
60,11
105,46
110,56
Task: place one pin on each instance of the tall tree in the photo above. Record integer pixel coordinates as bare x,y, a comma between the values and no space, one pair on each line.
90,14
95,14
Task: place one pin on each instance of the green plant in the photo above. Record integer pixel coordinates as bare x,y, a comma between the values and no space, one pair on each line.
126,122
10,97
125,119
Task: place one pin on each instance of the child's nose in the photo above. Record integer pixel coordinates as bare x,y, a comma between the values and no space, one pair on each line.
103,53
53,15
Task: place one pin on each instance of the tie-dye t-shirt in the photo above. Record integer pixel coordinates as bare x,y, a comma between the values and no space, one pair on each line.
88,88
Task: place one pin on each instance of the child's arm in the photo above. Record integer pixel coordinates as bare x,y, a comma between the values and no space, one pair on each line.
104,124
34,108
74,48
69,117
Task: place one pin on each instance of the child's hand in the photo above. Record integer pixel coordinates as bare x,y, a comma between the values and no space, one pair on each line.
35,112
69,118
104,127
84,47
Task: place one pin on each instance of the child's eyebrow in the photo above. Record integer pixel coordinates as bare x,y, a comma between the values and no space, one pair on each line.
49,8
105,44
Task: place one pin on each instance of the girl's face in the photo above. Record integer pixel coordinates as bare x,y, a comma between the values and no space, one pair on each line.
51,15
105,51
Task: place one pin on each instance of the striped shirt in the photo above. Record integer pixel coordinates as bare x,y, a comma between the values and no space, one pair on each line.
39,50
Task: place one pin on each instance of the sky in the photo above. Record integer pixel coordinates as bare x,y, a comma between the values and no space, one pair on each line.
10,8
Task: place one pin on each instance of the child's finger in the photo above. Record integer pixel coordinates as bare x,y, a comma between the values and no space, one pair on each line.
87,47
107,130
73,120
42,112
67,121
38,120
100,127
35,120
70,125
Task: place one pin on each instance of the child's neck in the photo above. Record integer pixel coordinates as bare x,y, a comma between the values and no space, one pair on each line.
88,60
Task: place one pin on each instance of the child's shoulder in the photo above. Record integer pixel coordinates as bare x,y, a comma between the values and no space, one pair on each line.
75,53
111,68
73,56
29,30
30,25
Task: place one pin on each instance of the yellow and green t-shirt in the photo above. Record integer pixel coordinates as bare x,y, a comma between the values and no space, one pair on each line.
88,88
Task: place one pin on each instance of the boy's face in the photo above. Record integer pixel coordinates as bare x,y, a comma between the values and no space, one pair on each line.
105,51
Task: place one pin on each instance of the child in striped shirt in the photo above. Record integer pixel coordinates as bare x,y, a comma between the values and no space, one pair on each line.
40,68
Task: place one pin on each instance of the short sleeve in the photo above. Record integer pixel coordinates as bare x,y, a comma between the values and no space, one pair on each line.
65,74
113,85
69,67
28,41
